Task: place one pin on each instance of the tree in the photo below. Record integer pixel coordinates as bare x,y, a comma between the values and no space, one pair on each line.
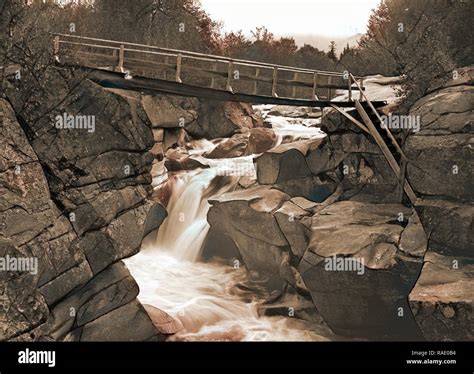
332,51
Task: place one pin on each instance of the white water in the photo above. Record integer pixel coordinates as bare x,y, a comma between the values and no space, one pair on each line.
202,296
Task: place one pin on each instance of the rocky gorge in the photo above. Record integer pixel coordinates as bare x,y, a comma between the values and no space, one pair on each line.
259,204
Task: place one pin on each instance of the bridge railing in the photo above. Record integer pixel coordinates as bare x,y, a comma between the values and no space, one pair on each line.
204,70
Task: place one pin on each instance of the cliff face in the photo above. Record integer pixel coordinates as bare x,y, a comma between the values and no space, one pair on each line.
441,173
75,199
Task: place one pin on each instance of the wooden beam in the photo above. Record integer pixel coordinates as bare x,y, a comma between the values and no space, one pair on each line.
111,79
257,75
230,72
56,45
121,58
352,119
179,61
315,86
387,130
295,78
329,90
350,87
213,79
386,151
401,180
274,82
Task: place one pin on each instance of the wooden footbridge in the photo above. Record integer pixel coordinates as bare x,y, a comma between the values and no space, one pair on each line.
153,69
203,75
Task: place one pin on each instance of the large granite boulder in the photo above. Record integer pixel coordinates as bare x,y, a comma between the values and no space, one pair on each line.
443,298
441,153
360,265
217,119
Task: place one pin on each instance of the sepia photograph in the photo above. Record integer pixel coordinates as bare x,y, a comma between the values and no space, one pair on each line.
236,184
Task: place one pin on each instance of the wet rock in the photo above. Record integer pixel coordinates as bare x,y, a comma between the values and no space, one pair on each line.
217,119
236,146
360,282
254,141
285,162
260,140
443,298
163,322
247,218
134,322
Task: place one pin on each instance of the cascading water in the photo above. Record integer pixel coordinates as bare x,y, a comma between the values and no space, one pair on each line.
202,296
205,297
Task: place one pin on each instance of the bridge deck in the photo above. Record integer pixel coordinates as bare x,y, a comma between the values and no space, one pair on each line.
155,69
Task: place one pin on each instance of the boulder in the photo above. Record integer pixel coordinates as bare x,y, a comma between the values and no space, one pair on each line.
169,111
163,322
236,146
247,218
217,119
449,225
285,162
360,282
260,140
441,152
443,298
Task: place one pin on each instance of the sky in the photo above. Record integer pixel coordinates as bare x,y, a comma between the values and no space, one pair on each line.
340,18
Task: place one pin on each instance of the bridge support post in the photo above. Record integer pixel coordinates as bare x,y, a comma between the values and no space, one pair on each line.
274,83
213,79
315,86
56,45
350,87
295,79
179,59
230,72
255,87
120,59
329,88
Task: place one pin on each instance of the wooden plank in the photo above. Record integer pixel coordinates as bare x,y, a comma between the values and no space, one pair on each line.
112,79
387,130
352,119
401,180
385,150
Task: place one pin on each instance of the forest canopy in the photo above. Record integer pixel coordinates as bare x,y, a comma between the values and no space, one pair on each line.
421,40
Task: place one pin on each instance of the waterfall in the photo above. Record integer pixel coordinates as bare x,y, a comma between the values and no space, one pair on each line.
204,297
